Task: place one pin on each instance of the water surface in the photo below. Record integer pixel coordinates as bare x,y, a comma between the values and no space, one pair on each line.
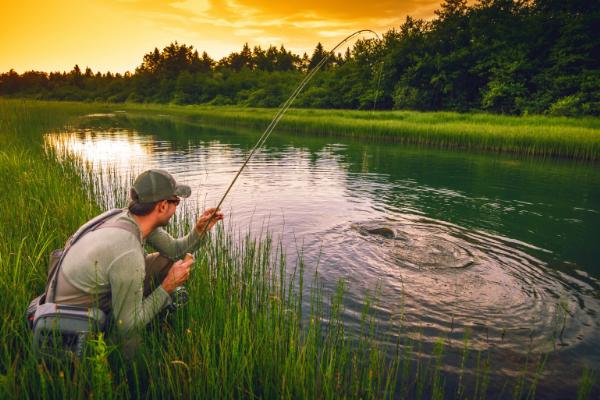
500,248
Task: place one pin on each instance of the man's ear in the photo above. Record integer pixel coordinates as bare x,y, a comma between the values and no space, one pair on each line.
162,206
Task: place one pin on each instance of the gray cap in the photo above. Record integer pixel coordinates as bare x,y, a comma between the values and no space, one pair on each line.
157,184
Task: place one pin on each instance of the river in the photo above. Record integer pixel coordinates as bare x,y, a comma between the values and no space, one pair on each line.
499,248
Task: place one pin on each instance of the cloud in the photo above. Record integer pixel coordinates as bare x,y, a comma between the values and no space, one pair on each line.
309,14
297,25
337,9
193,6
247,32
57,34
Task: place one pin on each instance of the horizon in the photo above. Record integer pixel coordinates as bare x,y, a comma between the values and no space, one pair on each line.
56,37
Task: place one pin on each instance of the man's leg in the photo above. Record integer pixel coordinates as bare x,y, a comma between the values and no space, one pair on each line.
157,267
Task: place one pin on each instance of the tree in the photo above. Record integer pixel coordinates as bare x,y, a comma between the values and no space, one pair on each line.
504,56
186,89
206,64
171,61
76,77
237,61
318,54
285,60
10,83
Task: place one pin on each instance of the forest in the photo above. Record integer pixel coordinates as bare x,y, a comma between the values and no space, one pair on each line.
500,56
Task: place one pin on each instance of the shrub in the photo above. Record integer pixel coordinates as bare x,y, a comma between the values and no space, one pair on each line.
568,106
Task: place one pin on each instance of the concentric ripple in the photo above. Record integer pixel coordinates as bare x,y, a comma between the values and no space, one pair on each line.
414,249
451,279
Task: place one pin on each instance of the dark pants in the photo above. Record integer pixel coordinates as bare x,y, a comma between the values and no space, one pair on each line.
157,267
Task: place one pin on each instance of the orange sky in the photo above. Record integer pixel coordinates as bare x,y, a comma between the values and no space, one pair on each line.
113,35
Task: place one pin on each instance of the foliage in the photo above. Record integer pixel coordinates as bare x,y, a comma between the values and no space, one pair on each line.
502,56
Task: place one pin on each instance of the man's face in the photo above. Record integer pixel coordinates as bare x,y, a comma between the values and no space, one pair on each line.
166,210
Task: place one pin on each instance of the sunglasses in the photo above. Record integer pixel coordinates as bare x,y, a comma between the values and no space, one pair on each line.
174,201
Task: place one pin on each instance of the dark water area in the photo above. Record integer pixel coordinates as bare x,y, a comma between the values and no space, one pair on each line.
500,249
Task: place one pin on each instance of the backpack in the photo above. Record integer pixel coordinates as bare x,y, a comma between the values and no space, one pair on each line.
64,328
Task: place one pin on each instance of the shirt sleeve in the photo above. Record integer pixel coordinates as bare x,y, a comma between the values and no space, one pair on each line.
172,248
130,310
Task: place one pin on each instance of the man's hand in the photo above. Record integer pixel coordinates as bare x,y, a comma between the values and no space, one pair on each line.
178,274
203,225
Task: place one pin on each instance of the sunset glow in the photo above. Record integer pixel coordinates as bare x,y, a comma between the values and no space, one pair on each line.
113,35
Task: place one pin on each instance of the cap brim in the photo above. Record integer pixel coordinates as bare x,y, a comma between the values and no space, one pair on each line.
183,191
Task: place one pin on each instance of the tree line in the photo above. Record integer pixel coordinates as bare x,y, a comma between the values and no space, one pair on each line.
502,56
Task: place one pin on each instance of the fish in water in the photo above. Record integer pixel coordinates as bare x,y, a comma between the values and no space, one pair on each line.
417,248
383,231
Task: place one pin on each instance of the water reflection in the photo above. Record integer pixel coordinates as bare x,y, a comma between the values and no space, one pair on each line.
478,244
116,150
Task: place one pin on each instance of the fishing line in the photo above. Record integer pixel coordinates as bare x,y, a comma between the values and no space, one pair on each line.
282,110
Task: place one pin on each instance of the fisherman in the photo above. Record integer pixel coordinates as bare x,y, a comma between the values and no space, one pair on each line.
108,268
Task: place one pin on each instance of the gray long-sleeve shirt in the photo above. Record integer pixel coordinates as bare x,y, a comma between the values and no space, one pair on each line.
106,267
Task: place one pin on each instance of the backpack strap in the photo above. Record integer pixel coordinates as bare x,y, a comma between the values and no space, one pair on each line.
126,226
95,223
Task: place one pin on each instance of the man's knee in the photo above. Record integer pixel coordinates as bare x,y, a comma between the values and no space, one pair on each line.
157,267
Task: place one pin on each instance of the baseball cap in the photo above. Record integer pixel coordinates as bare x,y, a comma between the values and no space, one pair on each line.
157,184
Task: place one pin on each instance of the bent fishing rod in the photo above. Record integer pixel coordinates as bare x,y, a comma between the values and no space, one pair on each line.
282,110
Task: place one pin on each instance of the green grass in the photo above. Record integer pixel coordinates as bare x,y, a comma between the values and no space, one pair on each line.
244,332
563,137
576,138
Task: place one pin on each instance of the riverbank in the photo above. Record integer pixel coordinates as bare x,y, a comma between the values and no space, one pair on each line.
572,138
540,136
244,333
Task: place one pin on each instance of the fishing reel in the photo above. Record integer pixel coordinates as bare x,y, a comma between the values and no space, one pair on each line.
179,297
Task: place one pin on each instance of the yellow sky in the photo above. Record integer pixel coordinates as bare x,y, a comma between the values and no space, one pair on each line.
113,35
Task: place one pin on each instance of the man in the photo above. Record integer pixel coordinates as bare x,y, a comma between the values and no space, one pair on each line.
108,268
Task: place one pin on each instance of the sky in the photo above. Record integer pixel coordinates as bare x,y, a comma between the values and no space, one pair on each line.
113,35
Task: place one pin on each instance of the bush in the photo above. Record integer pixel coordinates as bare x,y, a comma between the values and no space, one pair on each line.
503,97
411,98
221,100
568,106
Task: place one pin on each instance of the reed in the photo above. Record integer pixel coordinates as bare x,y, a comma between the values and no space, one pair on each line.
540,136
589,378
255,327
575,138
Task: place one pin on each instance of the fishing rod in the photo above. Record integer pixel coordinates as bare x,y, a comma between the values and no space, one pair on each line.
282,110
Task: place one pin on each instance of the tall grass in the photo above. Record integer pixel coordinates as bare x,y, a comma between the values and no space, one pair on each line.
249,330
530,135
575,138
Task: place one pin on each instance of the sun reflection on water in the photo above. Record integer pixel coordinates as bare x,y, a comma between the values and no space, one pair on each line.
102,150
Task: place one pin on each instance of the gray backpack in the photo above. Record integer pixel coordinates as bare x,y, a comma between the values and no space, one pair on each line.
62,329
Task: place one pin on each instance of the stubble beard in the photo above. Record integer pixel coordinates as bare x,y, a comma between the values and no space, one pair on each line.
164,223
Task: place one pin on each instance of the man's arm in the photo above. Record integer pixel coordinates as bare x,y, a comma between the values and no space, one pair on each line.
177,248
173,248
126,276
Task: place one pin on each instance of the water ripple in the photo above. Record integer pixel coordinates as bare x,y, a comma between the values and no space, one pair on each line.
448,278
